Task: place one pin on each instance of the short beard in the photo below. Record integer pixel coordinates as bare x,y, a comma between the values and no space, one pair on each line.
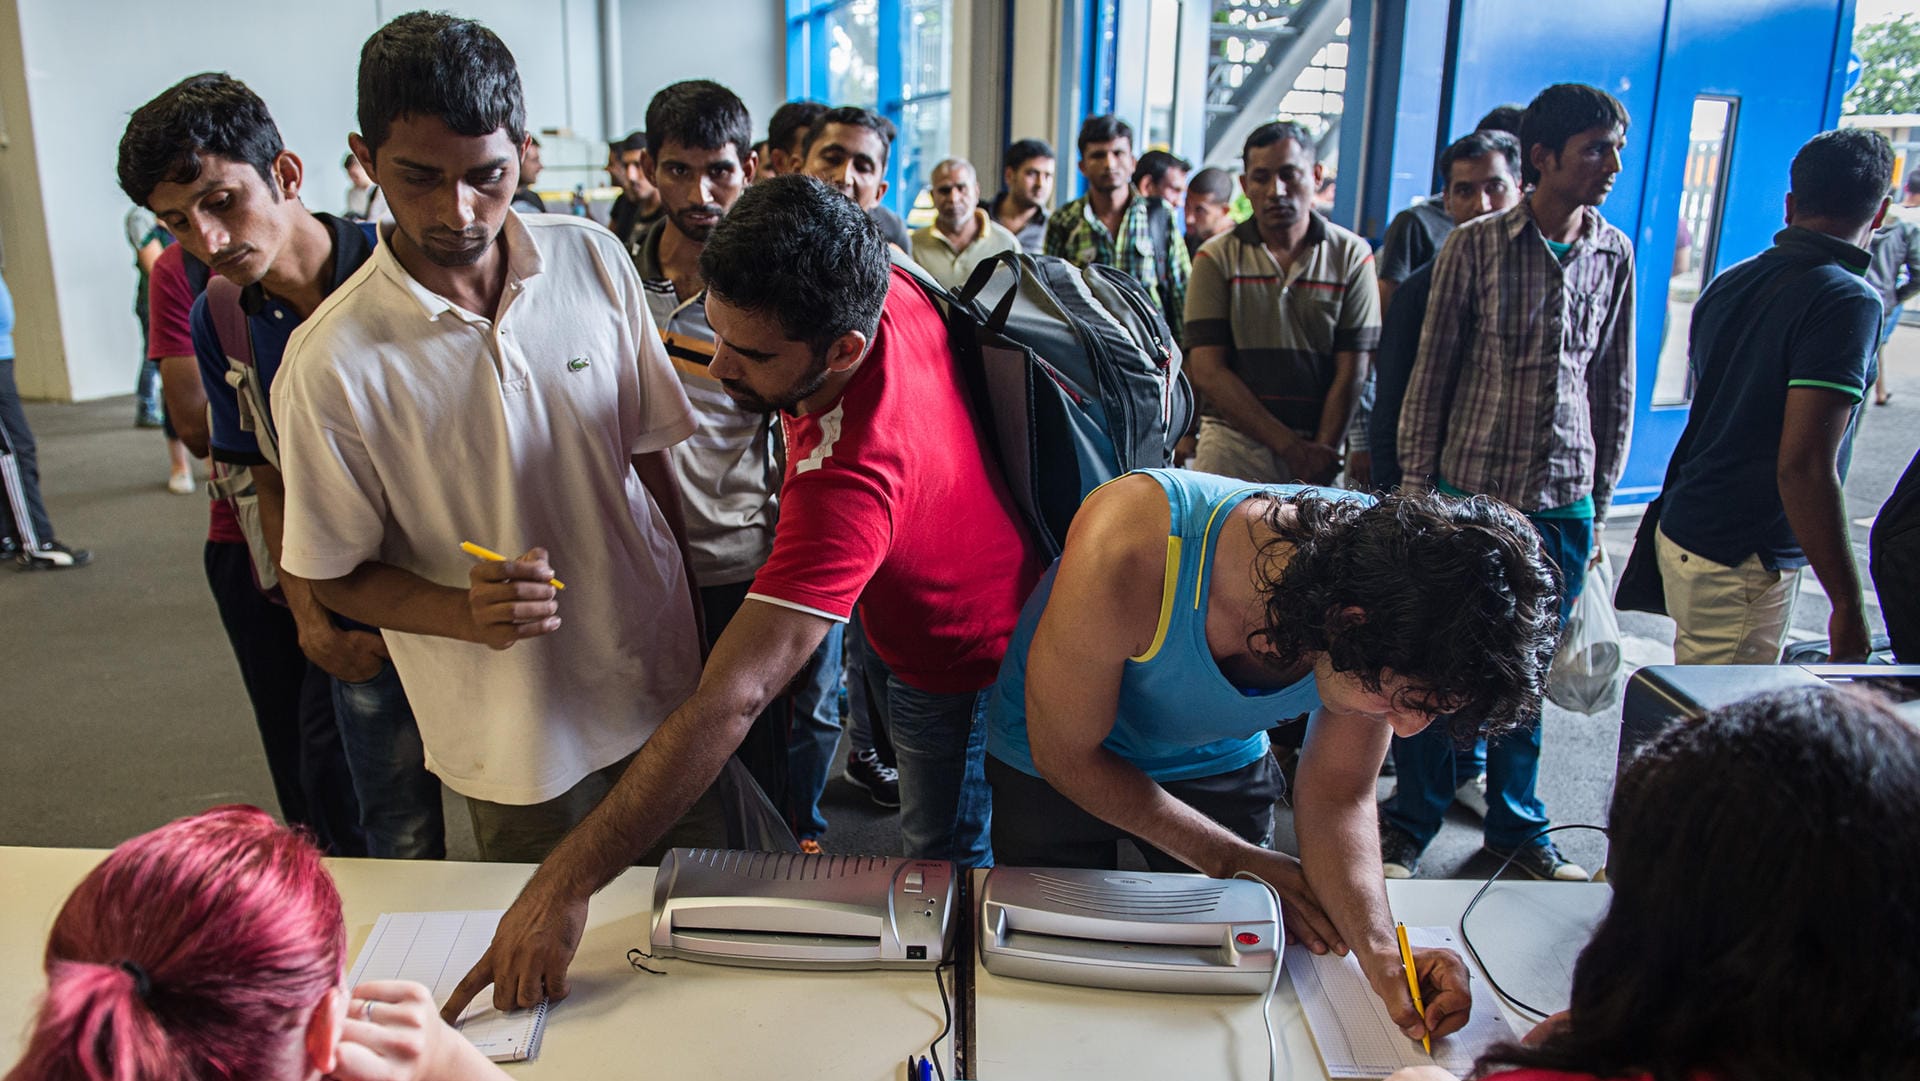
696,233
803,388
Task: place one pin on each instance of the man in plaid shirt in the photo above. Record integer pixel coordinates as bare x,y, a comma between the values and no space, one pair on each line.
1117,226
1523,390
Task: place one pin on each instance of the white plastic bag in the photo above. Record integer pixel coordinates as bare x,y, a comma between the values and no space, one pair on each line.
1585,676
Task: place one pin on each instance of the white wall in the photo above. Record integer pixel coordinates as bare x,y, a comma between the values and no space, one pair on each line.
740,44
84,65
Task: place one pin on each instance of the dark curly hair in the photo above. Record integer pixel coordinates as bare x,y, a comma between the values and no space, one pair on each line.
1454,595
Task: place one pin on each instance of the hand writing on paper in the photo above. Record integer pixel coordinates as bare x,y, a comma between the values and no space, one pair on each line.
513,600
531,950
390,1033
1306,921
1443,988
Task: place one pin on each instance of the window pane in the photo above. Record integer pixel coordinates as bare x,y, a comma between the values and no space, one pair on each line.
1696,236
853,49
928,67
926,131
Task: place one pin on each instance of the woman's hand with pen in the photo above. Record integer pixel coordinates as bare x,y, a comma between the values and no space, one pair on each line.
513,599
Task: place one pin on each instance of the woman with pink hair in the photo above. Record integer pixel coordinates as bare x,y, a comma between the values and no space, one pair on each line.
213,948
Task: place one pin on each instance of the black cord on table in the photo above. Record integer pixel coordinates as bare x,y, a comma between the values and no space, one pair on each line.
946,1007
1467,941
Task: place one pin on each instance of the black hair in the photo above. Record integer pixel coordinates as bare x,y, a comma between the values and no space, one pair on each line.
1025,150
701,115
211,113
1842,175
1503,118
1479,145
429,63
347,161
789,121
798,250
1104,128
633,140
1913,182
1762,920
1279,131
1215,184
1559,113
855,117
1157,164
1455,595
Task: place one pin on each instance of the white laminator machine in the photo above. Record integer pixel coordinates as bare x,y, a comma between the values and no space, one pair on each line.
784,910
1144,931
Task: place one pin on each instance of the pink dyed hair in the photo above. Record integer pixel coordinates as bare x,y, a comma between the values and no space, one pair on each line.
237,927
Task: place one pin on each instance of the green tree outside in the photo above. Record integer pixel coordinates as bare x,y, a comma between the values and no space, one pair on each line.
1890,68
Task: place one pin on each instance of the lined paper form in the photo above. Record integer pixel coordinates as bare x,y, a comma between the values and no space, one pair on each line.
437,949
1351,1028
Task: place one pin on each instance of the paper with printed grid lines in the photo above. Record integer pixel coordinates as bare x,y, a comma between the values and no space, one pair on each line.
1351,1028
438,949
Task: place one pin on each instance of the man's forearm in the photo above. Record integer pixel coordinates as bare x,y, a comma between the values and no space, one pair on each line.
392,599
758,655
1119,793
1817,513
1230,394
1340,854
1336,413
677,764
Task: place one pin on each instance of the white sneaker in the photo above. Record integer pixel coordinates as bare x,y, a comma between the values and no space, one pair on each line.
1473,795
182,484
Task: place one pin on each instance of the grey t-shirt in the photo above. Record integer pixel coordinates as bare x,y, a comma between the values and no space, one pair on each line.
1414,238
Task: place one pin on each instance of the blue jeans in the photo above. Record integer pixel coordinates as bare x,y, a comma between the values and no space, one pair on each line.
1425,772
940,748
814,735
400,809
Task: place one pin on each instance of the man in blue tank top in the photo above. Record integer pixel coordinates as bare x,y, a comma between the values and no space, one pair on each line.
1129,711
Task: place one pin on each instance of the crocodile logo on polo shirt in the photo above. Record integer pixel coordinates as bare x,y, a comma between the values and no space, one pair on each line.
577,364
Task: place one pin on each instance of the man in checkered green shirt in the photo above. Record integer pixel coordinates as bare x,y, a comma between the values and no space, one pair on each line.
1117,226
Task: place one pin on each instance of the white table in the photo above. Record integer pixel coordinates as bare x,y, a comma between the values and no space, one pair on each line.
701,1021
1527,932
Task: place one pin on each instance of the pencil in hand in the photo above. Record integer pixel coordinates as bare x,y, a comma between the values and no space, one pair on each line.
492,556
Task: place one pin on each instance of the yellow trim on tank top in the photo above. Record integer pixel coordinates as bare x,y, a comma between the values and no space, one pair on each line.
1167,590
1206,547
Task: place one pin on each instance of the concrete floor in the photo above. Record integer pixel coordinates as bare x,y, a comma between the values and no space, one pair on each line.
122,706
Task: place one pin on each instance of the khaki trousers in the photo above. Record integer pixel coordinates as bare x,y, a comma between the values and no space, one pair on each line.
1722,614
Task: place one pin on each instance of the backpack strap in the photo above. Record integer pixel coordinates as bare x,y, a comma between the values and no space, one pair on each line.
230,325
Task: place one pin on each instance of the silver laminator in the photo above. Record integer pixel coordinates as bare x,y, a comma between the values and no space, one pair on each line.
1133,930
780,910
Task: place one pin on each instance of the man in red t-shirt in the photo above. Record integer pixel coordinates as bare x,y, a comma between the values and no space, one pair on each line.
889,500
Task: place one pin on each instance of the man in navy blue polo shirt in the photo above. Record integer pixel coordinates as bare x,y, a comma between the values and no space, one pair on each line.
1782,351
206,157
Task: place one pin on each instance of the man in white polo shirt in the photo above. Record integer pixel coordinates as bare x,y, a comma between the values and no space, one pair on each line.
497,379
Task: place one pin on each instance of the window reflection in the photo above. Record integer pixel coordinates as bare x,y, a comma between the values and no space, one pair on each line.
1696,236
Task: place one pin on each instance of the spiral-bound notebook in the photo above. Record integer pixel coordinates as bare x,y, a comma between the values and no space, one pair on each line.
437,949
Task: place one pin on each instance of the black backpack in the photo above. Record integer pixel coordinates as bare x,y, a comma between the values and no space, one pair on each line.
1073,374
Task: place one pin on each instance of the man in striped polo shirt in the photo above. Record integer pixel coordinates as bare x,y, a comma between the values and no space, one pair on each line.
1282,315
699,158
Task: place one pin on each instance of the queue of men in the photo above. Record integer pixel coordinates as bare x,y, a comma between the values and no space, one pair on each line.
722,451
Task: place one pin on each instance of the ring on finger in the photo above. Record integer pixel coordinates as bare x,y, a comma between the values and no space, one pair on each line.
366,1011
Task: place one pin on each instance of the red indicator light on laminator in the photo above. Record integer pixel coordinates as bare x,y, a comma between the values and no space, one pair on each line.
1247,938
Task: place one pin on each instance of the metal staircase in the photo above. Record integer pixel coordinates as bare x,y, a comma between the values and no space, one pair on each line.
1262,51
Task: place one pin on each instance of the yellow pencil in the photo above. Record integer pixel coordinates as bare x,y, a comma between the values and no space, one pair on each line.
1413,982
492,556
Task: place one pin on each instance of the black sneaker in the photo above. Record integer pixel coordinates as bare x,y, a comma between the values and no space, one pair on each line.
1399,852
52,556
1542,860
881,781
